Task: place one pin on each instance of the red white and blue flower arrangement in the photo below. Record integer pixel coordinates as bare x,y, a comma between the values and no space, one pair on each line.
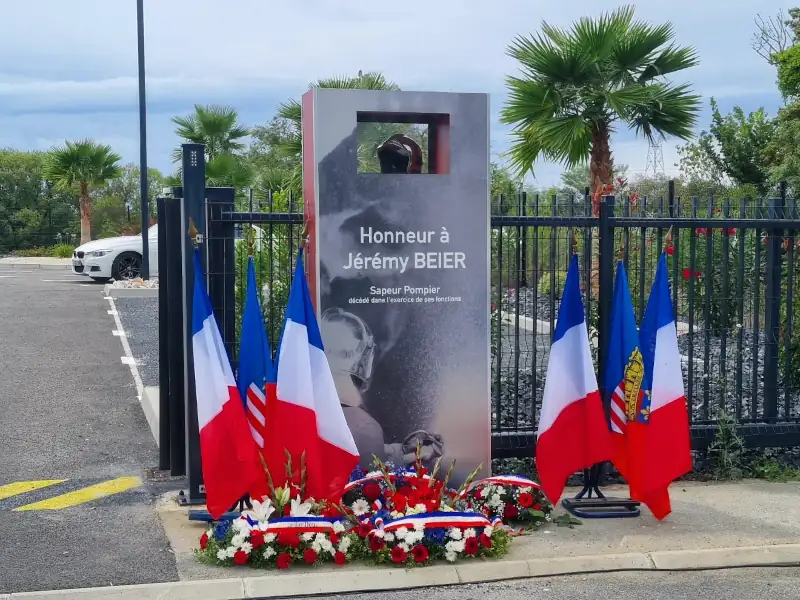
404,517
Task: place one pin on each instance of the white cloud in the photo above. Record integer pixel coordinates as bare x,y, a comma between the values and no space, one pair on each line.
68,69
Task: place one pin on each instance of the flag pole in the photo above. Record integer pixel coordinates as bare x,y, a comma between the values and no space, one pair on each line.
590,502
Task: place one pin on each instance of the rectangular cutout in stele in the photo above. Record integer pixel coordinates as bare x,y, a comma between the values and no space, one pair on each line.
394,143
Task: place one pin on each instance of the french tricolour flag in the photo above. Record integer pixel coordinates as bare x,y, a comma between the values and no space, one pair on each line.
306,415
666,447
573,431
231,465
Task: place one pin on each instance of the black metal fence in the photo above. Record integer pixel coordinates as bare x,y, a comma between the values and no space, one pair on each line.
733,271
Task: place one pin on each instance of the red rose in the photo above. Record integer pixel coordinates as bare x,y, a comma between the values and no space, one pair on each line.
240,558
400,502
340,558
203,541
471,546
334,538
284,560
669,249
525,500
289,538
398,555
257,539
485,541
364,529
420,553
310,556
537,506
372,491
510,511
732,231
376,544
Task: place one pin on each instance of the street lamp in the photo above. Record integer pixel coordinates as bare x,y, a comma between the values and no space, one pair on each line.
144,195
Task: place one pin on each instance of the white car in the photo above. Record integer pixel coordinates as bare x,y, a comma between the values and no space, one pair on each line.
115,258
120,258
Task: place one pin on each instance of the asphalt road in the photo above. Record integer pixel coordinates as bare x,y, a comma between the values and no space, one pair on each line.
70,412
734,584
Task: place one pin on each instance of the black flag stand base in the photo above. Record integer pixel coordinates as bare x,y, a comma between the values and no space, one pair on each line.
234,513
583,505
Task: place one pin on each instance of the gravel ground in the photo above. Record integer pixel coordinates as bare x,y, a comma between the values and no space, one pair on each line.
712,386
139,317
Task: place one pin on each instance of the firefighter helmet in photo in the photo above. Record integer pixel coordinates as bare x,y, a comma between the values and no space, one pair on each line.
400,154
349,345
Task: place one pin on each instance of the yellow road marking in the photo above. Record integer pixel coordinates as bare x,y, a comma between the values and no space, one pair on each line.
22,487
87,494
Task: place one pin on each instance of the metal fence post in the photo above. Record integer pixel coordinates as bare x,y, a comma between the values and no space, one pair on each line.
606,289
772,300
171,281
221,263
163,342
192,211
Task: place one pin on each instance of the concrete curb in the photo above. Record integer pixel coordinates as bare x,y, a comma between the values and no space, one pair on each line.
115,292
150,402
304,582
40,266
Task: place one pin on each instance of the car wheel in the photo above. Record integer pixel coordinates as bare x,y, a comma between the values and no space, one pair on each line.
127,265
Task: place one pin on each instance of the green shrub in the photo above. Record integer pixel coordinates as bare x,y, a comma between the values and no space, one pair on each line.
60,251
32,252
546,286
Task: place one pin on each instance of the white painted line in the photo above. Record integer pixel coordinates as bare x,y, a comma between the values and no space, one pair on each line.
109,298
86,285
118,333
7,276
128,358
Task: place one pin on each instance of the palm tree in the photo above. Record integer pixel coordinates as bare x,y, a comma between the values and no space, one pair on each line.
290,110
577,84
215,126
81,166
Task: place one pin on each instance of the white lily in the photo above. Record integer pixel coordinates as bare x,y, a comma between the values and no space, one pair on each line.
299,508
261,511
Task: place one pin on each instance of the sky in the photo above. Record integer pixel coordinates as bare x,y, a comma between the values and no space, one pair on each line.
68,68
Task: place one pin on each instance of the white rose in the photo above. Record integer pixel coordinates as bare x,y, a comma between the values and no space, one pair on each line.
307,537
269,552
338,527
470,533
455,533
401,533
488,531
450,556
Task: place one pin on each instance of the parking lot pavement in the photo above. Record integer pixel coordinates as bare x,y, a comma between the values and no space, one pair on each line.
75,498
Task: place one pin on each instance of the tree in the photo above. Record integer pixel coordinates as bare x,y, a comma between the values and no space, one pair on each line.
117,205
31,212
577,178
773,35
215,126
291,147
81,166
733,148
577,84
